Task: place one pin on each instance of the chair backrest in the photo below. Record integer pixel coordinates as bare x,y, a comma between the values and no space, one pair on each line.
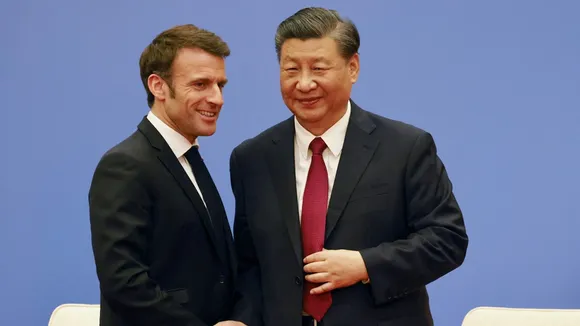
496,316
74,314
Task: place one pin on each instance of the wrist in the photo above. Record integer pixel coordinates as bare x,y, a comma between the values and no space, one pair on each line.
364,275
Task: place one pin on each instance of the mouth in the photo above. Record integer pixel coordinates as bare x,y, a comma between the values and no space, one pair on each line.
309,101
207,114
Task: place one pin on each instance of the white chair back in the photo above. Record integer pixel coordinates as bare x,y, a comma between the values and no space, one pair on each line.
496,316
75,314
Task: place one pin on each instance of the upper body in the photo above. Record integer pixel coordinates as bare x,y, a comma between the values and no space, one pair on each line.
161,240
391,223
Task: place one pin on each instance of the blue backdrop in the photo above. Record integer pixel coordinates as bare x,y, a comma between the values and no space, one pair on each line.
496,82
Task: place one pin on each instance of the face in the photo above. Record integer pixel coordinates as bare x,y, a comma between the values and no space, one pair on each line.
316,81
192,102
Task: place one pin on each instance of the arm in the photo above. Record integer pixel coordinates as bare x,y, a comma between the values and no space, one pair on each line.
120,209
248,300
438,240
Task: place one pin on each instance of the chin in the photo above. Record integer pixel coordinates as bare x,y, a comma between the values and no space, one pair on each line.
206,133
310,115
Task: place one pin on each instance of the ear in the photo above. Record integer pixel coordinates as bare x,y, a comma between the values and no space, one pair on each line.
157,87
354,68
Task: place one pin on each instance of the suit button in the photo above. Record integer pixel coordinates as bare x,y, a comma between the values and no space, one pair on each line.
222,279
297,280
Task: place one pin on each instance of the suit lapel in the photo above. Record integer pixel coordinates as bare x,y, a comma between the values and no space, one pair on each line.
357,151
281,164
167,157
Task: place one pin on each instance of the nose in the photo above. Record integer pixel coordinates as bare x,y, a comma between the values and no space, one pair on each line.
305,83
216,96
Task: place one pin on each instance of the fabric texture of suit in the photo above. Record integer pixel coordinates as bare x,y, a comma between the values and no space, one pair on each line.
392,200
159,259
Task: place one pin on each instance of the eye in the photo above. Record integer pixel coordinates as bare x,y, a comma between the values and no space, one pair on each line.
199,84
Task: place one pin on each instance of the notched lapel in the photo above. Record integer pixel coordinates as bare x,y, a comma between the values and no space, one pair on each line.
173,166
357,152
283,176
170,162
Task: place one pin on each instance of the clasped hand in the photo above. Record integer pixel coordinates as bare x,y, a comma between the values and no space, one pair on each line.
334,269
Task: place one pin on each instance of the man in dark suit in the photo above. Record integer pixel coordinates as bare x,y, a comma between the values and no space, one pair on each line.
342,216
162,244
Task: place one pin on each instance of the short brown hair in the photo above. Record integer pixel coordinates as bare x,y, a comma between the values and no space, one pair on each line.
316,22
157,58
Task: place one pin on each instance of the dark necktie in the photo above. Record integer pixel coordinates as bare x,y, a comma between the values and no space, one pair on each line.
207,187
314,207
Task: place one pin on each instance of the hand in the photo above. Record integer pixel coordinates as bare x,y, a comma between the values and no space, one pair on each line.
230,323
335,269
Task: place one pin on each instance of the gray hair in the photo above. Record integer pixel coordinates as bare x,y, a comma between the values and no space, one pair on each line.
315,22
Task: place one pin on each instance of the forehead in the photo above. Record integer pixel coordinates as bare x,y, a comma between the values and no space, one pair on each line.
310,49
198,62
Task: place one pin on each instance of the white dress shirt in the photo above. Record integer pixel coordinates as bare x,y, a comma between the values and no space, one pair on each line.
334,139
178,144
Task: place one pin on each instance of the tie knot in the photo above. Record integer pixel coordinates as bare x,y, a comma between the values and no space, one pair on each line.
193,154
317,146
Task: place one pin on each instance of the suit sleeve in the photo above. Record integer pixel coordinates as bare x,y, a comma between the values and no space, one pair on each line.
248,298
438,240
120,207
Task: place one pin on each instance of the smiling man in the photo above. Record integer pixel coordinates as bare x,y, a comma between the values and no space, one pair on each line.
161,240
342,216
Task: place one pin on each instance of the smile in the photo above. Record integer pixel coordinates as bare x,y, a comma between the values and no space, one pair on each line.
207,114
309,101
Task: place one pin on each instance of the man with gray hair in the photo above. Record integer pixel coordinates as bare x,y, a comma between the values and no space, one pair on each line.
342,216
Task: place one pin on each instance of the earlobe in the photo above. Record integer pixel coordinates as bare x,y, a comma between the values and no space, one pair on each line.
155,84
354,68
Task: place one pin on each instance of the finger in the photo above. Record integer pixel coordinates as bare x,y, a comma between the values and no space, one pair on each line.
326,287
315,267
317,256
318,277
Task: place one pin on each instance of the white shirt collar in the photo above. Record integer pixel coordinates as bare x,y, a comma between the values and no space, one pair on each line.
333,137
178,144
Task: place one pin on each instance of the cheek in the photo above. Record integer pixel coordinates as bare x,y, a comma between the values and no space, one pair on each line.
192,101
332,90
287,87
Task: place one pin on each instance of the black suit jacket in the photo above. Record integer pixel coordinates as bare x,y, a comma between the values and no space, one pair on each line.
392,200
159,261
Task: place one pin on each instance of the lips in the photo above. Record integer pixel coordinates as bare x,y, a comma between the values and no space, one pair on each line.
308,101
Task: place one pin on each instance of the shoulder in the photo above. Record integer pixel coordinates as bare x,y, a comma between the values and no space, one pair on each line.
257,143
400,129
131,154
394,135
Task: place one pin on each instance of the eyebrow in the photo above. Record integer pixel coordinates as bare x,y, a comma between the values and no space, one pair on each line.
208,80
223,82
314,59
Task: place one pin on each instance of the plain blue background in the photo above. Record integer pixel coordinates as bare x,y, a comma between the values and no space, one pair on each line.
497,83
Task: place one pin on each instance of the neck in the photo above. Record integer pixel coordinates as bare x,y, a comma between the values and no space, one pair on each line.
159,111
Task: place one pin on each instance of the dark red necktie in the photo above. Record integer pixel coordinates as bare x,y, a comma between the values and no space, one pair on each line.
314,207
